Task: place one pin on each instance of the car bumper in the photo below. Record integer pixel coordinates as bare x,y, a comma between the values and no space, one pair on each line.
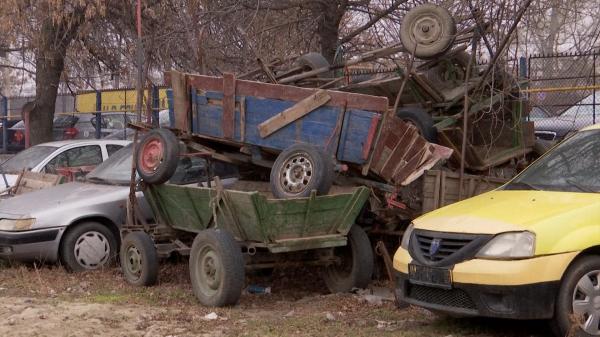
518,289
33,245
528,301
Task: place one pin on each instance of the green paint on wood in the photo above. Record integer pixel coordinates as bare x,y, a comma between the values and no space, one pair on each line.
318,221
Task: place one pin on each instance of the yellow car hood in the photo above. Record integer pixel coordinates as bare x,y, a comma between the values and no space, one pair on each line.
562,221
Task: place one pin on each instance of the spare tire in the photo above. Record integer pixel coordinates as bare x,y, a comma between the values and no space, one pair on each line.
156,156
421,119
298,170
428,30
312,61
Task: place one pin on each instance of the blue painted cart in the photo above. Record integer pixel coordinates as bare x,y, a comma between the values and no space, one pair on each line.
263,120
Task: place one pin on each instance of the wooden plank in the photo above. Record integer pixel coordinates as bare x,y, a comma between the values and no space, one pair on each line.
290,93
422,82
291,114
228,105
242,119
181,101
371,137
32,181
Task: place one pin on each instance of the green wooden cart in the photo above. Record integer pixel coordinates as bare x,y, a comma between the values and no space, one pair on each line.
225,232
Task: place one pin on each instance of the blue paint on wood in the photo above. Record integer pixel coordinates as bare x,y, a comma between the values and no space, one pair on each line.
316,128
354,135
171,111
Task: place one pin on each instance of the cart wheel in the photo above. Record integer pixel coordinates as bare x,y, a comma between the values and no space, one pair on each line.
157,156
421,119
298,170
216,268
430,28
139,261
356,267
312,61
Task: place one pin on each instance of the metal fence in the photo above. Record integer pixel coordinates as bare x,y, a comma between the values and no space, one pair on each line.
563,93
76,116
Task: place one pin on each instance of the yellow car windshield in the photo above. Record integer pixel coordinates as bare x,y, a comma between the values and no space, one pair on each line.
573,166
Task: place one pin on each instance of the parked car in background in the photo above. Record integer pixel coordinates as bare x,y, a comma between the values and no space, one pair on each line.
127,133
537,113
528,250
78,223
77,126
585,113
55,157
12,145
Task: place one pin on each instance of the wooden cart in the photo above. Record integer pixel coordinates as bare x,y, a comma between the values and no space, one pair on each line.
226,232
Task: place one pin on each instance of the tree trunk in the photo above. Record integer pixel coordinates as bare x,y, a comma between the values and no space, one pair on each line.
330,15
51,50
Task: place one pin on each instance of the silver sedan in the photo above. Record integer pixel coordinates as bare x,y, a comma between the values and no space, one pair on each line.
74,223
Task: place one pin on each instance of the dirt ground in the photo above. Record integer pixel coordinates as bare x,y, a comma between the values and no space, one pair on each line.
47,301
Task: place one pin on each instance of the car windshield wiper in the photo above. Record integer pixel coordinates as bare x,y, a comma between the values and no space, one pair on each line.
579,186
95,179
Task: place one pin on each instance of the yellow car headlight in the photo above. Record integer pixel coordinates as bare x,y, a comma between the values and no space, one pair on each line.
16,224
511,245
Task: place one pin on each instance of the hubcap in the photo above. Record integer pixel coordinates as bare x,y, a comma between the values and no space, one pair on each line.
426,30
92,250
586,302
209,271
133,260
152,155
296,173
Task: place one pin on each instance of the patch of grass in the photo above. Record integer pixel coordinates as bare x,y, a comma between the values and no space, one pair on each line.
108,298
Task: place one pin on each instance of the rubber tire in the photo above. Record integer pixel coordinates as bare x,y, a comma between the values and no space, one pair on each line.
421,119
560,324
150,266
362,264
167,167
438,47
312,61
233,269
322,176
67,245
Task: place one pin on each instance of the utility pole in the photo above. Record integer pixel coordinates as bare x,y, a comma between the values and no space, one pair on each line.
131,203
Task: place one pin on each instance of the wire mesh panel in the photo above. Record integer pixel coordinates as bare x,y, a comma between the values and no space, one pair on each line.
564,92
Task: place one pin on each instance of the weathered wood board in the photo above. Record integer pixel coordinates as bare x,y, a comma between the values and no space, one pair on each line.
441,188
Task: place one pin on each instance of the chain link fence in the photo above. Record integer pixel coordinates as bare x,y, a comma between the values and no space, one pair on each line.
563,93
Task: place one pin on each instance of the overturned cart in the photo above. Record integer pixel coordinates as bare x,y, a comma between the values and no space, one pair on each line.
226,232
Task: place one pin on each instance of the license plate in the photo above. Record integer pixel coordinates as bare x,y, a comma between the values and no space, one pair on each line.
430,276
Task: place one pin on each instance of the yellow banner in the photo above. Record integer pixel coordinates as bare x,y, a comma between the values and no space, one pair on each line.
116,100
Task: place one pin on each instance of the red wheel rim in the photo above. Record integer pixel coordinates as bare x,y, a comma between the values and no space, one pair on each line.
152,155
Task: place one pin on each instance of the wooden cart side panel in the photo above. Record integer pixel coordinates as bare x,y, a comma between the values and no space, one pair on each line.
185,208
289,93
319,128
245,215
356,135
328,214
440,188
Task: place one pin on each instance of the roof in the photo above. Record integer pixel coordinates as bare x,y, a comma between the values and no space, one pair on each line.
61,143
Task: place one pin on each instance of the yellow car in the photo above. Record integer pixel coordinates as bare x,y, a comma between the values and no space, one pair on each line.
528,250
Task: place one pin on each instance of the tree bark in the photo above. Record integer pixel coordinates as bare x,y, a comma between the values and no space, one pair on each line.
55,38
330,14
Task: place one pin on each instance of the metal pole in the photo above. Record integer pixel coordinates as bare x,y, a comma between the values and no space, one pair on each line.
155,106
4,124
522,76
131,218
98,114
594,91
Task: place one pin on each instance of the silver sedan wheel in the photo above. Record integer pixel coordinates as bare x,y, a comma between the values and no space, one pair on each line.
92,250
586,302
